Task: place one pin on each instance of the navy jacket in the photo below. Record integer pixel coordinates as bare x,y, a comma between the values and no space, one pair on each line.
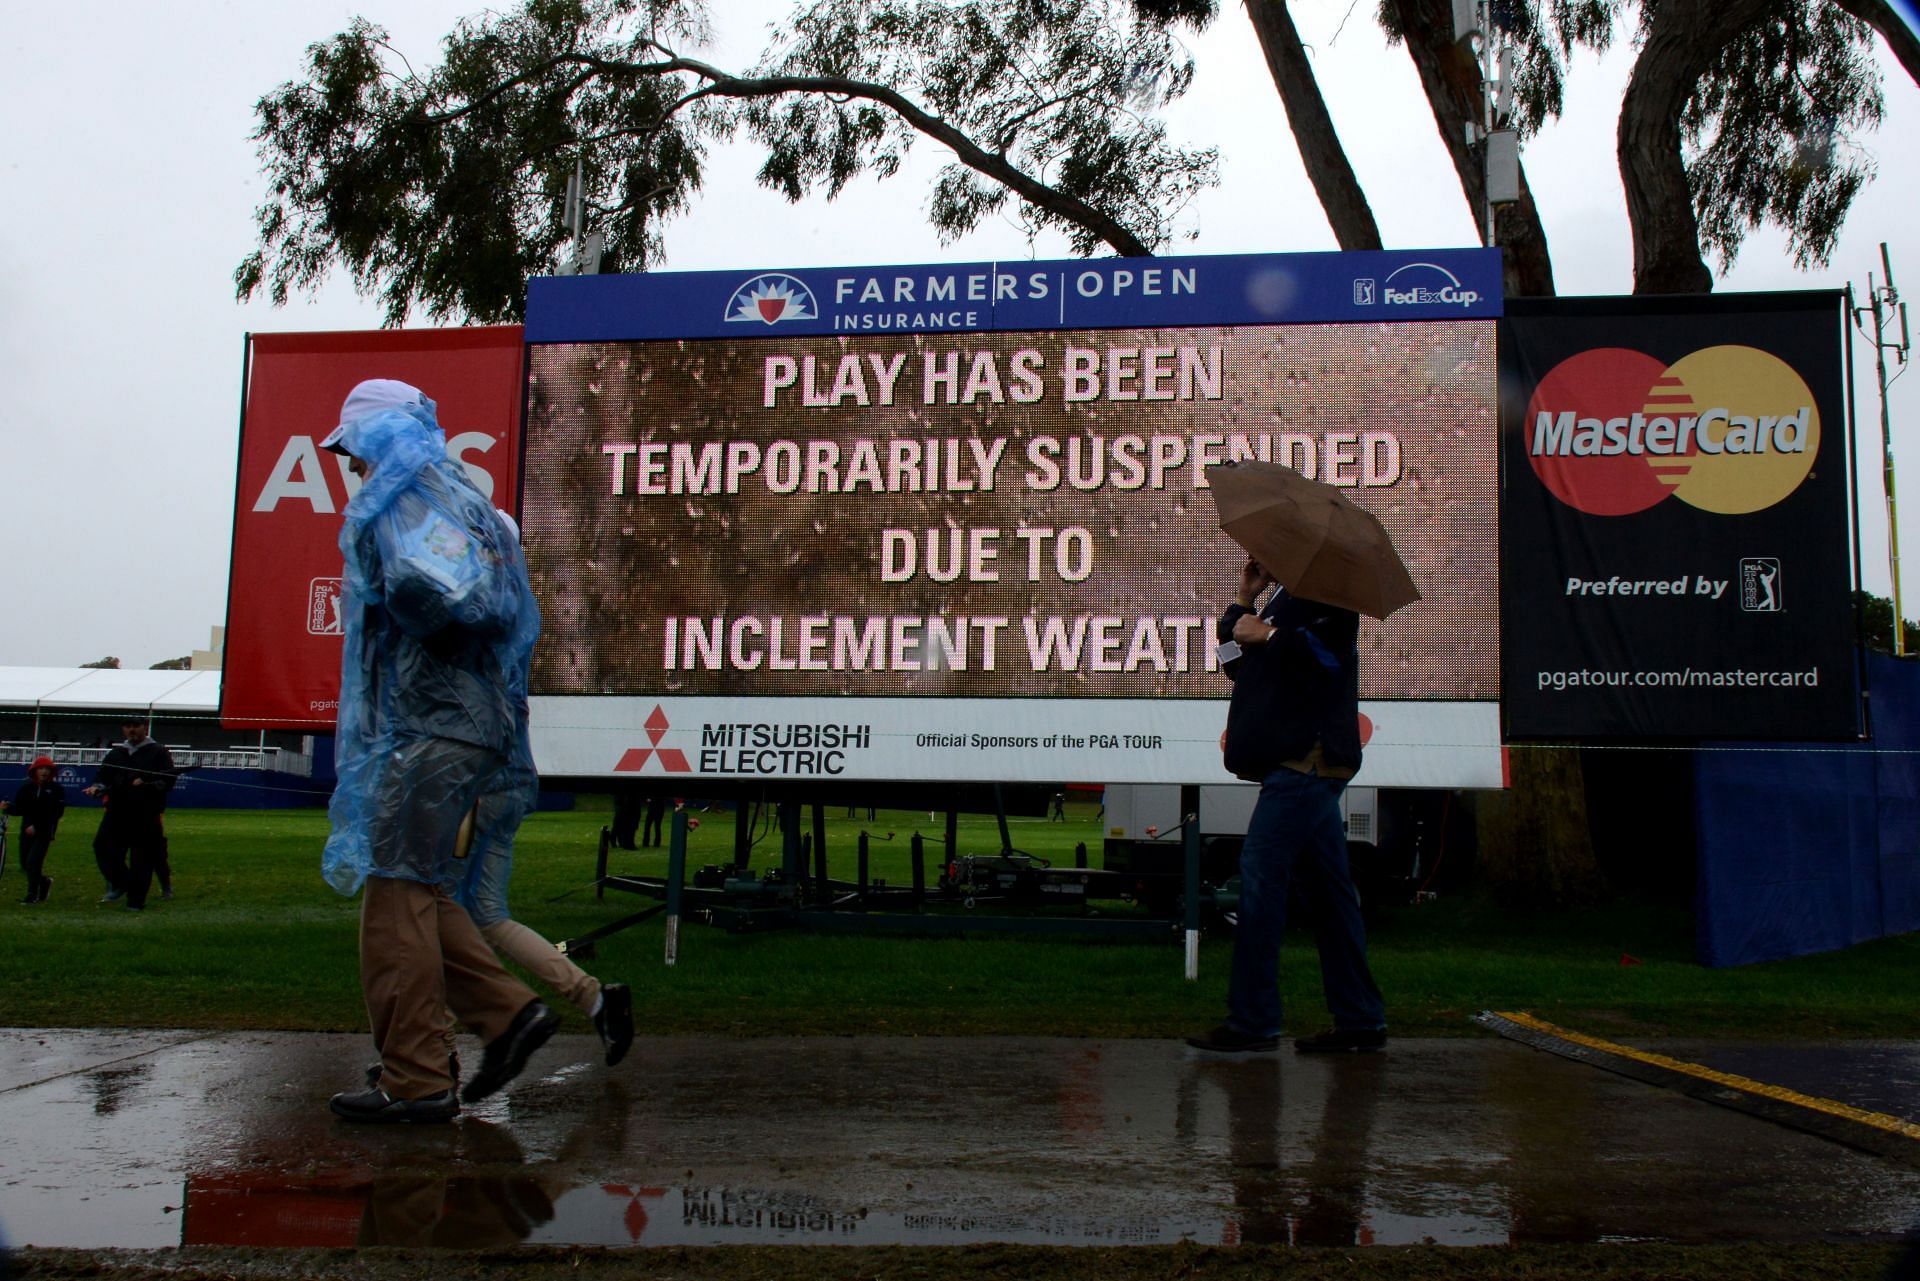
39,808
1300,687
151,763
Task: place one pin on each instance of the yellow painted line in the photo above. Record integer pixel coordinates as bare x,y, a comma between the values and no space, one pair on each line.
1878,1120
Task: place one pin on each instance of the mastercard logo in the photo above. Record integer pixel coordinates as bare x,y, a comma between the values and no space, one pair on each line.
1726,429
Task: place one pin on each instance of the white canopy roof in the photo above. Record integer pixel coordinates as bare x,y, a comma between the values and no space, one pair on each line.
107,690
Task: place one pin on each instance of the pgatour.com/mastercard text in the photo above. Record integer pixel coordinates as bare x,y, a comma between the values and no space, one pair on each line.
1687,678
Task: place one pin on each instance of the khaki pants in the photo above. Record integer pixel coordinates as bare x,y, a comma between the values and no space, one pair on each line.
532,953
420,956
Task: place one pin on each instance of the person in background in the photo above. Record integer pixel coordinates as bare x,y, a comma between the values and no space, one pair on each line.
626,815
656,813
505,799
134,779
38,804
1293,726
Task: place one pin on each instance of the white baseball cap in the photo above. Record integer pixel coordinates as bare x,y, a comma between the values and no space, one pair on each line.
374,396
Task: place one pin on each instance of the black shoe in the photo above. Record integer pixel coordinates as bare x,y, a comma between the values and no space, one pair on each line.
1348,1040
46,888
508,1053
1226,1039
376,1067
382,1108
113,896
614,1022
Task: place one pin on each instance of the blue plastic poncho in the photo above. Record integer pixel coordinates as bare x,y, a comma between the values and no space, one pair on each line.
437,622
505,798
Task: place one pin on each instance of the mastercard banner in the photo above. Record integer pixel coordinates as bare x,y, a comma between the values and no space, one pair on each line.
1674,519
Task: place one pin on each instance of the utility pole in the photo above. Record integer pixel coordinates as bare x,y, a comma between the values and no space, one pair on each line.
1882,302
1475,22
584,259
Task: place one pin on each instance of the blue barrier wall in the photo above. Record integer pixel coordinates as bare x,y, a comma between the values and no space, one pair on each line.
1808,848
248,789
239,789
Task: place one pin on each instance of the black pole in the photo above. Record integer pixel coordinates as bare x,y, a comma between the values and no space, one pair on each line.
953,835
600,865
821,894
862,874
742,834
999,812
1190,815
1080,854
676,874
792,866
919,869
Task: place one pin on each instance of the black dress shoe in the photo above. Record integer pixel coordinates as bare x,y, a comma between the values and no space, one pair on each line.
1226,1039
508,1053
381,1108
614,1022
1350,1040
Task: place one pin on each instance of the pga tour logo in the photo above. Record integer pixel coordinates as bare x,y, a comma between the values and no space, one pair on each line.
772,298
323,607
1760,585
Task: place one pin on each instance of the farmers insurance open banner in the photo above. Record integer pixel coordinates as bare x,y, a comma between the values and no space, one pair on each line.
950,521
1674,514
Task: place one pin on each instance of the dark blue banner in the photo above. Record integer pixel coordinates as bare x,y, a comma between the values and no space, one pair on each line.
1107,293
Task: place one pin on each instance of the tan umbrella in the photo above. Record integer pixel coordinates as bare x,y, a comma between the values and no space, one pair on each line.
1311,537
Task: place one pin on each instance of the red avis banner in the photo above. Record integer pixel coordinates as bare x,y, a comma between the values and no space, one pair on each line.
283,599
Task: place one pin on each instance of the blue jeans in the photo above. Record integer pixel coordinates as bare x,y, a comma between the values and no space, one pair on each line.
1298,815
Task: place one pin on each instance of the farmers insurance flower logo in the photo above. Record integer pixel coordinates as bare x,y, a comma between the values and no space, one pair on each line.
1726,429
772,299
672,759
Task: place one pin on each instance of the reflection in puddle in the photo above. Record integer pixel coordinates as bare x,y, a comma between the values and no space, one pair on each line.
113,1087
476,1213
481,1213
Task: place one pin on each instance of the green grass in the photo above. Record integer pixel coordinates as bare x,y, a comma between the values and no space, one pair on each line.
256,940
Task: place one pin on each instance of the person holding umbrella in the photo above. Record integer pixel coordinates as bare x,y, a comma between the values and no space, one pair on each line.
1293,726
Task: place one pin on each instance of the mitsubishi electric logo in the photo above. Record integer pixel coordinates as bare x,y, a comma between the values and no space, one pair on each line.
771,299
672,759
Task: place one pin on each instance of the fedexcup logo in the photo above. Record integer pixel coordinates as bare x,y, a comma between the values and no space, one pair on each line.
771,299
1424,284
1730,429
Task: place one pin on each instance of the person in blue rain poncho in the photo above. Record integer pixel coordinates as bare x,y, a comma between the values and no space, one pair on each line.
435,630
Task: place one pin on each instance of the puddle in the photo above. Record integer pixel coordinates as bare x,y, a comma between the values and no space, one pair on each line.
225,1140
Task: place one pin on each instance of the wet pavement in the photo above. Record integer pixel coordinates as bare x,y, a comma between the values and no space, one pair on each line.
155,1139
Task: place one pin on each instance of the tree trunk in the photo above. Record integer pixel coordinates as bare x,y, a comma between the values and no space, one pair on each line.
1451,79
1899,36
1666,235
1535,844
1341,198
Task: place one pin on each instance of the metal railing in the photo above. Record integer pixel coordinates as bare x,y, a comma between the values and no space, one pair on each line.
75,756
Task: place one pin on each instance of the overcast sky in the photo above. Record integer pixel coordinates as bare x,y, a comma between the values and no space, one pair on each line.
129,186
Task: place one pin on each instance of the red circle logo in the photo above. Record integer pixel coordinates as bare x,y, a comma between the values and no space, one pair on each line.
1726,429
